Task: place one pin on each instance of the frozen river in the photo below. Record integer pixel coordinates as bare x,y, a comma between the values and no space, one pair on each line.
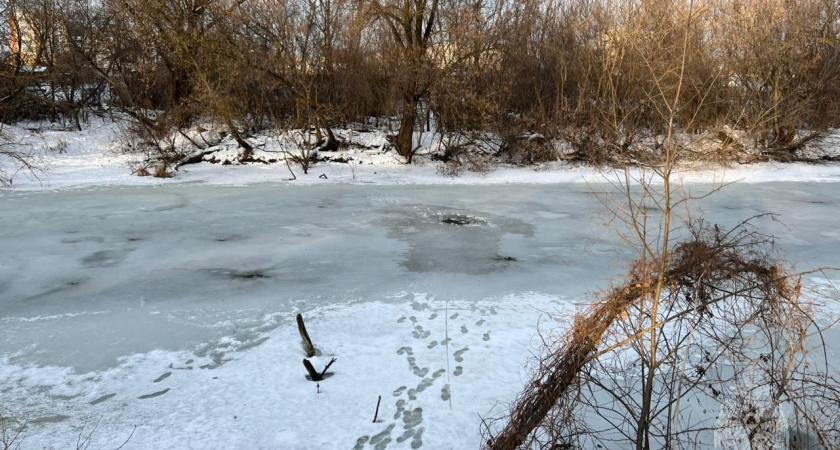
90,277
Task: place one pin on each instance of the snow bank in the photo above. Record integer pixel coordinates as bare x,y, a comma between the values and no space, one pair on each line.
92,157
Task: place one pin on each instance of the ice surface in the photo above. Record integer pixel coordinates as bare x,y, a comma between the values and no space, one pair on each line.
428,295
171,267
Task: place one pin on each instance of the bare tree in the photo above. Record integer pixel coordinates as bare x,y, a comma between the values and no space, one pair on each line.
410,25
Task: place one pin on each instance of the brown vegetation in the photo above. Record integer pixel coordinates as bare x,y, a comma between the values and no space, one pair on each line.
712,323
727,301
582,71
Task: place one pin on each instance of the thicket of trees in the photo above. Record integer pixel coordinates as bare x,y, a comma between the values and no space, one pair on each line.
587,71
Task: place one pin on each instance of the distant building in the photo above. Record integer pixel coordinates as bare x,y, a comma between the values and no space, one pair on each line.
24,39
39,39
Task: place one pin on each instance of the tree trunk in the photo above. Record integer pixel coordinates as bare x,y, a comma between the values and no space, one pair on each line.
247,149
405,137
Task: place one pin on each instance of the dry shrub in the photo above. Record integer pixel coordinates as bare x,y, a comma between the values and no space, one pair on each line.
451,169
527,149
730,328
480,165
593,146
456,164
161,171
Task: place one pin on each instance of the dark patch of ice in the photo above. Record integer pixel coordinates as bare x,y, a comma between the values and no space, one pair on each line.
104,398
162,377
153,394
105,258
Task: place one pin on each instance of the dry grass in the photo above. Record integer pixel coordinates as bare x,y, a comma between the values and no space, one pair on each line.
161,171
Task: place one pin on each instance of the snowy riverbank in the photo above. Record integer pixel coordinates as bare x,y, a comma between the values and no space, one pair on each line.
93,157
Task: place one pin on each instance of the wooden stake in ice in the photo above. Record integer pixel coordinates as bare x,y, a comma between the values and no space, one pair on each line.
376,414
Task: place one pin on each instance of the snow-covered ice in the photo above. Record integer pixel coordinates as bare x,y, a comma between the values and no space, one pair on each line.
171,308
168,305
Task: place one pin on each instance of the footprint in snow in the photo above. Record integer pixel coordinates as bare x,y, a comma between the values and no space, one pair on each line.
445,395
360,443
381,440
425,384
420,333
459,355
406,436
416,442
412,418
400,408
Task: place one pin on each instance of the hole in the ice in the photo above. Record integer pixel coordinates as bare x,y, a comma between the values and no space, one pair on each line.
250,275
505,258
462,220
233,274
453,241
230,238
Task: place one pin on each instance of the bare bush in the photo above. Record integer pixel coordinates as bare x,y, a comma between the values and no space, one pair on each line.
15,157
307,145
731,325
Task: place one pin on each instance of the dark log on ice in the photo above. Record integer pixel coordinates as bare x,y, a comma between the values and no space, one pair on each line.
313,375
307,342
